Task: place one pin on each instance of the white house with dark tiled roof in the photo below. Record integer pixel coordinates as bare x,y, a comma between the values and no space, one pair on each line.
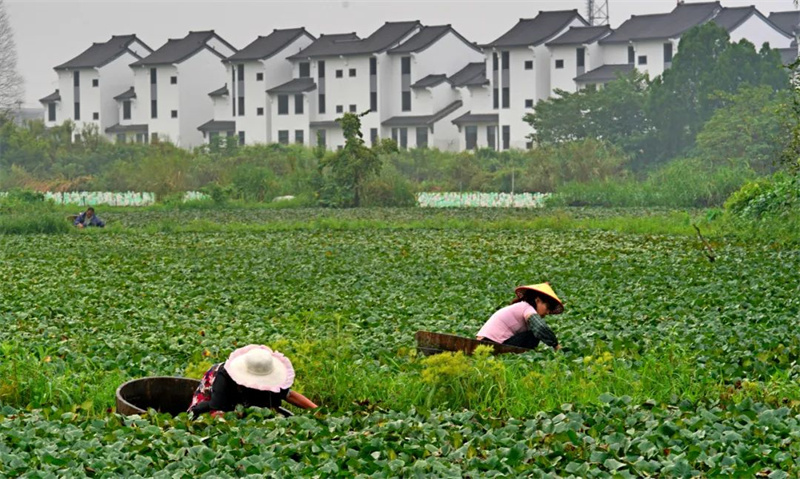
519,71
172,84
421,100
574,53
476,129
347,72
88,83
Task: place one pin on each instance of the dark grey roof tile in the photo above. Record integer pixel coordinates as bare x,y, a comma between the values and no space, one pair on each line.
296,85
55,96
217,125
127,129
663,25
469,118
223,91
268,46
535,31
786,21
100,54
474,74
423,120
385,37
604,73
429,81
126,95
581,35
178,50
426,37
788,55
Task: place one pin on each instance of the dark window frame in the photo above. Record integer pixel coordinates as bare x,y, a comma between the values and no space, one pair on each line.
259,76
95,82
529,64
339,73
299,102
373,66
173,80
260,111
405,66
154,110
51,112
283,104
559,64
299,137
126,110
351,72
405,101
641,60
95,116
173,114
321,103
153,81
283,137
304,70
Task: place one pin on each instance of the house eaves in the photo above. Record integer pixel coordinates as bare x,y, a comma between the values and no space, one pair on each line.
731,18
178,50
382,39
217,125
788,22
473,74
294,86
51,98
101,54
128,94
536,31
265,47
469,118
223,91
663,26
429,81
423,120
581,36
126,129
788,55
426,37
604,73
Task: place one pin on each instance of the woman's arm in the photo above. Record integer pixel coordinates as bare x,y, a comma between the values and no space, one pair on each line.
299,400
541,330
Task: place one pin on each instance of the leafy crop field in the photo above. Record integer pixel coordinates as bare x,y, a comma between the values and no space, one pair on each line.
676,367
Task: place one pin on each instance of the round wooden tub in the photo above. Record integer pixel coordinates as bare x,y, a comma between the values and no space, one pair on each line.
163,393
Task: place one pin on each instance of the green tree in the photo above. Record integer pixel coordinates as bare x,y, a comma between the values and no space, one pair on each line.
354,164
688,93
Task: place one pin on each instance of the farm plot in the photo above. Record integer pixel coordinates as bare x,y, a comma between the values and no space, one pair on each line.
676,366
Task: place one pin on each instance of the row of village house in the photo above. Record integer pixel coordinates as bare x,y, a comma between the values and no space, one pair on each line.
424,86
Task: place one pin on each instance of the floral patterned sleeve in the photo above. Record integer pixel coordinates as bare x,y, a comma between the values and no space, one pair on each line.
541,330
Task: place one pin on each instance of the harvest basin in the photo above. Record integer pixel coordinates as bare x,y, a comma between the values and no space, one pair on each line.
163,393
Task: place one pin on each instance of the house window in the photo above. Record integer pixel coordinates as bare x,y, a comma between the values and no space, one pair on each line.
352,72
95,82
321,101
581,57
240,101
298,104
642,59
260,76
174,114
559,64
339,73
126,110
154,138
153,79
153,108
95,116
173,80
631,54
339,109
283,104
373,101
298,137
305,69
528,103
422,137
506,137
405,66
471,136
76,79
406,101
352,108
373,136
668,53
141,138
528,145
373,66
241,138
51,112
283,137
529,64
321,70
506,97
491,137
394,134
403,138
495,98
321,138
240,72
260,111
504,56
77,110
494,61
120,137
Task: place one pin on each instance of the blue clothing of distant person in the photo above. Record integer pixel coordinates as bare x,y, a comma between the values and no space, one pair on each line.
88,218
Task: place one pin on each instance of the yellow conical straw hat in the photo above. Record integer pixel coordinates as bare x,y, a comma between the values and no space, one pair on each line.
545,289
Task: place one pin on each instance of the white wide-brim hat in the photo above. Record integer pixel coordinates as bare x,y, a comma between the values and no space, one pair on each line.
258,367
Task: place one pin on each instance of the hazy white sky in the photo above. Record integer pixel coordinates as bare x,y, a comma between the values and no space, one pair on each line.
49,32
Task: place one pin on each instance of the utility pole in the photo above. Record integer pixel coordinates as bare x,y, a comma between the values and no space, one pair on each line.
597,12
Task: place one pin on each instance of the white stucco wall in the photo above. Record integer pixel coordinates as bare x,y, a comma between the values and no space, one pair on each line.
758,32
89,98
615,54
292,121
446,56
198,75
654,51
115,78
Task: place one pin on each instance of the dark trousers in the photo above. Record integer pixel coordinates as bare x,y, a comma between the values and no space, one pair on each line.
525,339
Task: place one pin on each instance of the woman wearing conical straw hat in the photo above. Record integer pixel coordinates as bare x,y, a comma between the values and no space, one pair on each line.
254,375
521,323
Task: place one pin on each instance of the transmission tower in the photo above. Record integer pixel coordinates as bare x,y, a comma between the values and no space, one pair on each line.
597,11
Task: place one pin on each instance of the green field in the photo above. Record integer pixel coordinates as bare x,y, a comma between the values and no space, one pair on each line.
676,366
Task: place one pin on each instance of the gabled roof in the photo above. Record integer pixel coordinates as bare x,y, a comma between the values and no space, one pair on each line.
604,73
100,54
581,35
731,18
535,31
470,119
426,37
220,91
423,120
786,21
296,85
429,81
663,25
268,46
127,129
216,125
53,97
178,50
385,37
474,74
126,95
